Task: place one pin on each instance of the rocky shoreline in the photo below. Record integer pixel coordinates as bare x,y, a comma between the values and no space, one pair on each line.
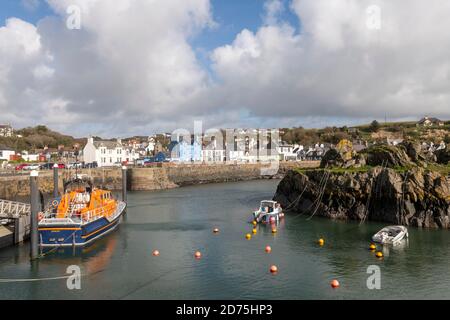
413,196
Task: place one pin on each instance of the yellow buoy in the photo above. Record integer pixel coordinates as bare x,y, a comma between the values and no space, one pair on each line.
321,242
379,254
274,230
254,231
248,236
372,247
254,222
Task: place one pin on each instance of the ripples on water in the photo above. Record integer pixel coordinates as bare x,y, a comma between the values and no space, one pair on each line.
178,222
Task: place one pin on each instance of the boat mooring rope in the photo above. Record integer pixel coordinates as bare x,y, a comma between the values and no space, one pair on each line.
321,193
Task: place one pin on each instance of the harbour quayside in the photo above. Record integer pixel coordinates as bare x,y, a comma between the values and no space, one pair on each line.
80,216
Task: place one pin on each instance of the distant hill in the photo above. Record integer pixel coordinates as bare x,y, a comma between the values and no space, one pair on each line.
369,132
39,137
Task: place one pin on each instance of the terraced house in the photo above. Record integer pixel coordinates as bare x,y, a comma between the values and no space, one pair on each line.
107,153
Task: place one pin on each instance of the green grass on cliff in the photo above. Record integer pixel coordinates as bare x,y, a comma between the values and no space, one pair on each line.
336,169
443,169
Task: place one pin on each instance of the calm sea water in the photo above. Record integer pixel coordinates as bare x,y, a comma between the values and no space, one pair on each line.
180,221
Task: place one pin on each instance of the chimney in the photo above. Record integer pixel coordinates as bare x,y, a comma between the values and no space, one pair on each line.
90,140
119,141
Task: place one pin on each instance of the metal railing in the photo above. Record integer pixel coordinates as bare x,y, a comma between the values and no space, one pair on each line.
12,209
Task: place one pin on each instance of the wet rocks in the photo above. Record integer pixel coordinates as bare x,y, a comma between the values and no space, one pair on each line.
417,197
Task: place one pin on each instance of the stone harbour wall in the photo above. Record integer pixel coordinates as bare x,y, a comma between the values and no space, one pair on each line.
163,176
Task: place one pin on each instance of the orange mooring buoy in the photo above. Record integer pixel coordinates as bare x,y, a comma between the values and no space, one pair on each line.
156,253
274,230
254,222
379,254
268,249
321,242
198,255
248,236
254,231
334,284
372,247
273,269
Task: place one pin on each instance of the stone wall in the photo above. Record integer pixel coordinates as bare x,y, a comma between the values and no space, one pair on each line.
163,176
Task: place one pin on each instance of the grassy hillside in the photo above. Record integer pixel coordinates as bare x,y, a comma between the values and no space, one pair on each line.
369,132
37,138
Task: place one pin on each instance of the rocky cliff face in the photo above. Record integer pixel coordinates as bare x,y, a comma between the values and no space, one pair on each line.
417,197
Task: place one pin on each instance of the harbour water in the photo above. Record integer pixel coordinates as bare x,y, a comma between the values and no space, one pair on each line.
180,221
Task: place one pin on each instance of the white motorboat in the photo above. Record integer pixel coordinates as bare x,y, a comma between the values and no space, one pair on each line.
269,211
391,235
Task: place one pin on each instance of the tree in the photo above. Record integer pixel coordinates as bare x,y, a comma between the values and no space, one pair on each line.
374,126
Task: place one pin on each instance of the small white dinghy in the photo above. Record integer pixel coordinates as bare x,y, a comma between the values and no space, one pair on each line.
391,235
269,211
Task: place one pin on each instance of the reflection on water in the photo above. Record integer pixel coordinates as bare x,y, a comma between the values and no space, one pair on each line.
179,222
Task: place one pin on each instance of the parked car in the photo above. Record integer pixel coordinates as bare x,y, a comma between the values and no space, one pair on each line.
32,166
91,165
46,166
21,166
74,165
61,166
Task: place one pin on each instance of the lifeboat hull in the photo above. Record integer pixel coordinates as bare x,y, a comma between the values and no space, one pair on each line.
52,234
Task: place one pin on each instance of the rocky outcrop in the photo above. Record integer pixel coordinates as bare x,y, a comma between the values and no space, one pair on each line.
443,156
416,197
388,156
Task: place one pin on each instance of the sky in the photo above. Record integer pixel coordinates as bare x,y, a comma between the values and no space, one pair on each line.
137,67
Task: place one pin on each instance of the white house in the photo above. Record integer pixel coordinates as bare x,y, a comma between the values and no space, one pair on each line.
108,153
151,145
29,157
6,130
6,153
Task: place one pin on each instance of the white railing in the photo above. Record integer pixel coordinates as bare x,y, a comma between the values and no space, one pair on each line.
12,209
58,221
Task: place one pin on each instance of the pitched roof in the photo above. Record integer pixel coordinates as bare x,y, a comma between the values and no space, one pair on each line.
107,144
433,120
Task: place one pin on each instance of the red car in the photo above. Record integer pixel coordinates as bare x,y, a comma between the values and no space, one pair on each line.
21,166
61,166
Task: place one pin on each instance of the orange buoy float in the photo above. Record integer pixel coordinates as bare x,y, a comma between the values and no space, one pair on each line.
268,249
273,269
216,230
334,284
156,253
379,254
254,222
198,255
254,231
248,236
321,242
274,230
372,247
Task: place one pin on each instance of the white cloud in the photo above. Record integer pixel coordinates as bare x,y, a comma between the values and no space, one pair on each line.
30,5
272,8
131,68
337,67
